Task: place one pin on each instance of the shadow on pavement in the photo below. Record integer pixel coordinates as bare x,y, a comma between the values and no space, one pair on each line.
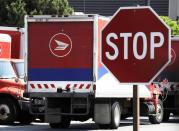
173,120
46,127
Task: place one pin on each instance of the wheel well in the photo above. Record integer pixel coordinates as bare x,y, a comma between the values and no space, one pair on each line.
160,97
5,96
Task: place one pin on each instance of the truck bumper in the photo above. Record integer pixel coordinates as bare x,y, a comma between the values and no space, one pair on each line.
24,105
71,104
56,95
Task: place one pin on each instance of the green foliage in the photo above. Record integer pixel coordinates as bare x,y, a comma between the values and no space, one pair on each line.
12,12
3,11
174,25
15,13
48,7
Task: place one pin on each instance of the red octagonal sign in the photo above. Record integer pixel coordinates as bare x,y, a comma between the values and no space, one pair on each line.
136,45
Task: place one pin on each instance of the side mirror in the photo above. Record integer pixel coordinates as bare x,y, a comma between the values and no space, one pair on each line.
25,78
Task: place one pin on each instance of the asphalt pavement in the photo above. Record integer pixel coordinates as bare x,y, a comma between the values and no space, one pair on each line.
126,125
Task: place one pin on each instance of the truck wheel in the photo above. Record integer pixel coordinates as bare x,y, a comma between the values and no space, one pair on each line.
8,111
157,119
115,115
166,116
104,126
25,118
54,125
65,123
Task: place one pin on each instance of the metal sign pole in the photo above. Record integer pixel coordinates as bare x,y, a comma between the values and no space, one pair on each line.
136,109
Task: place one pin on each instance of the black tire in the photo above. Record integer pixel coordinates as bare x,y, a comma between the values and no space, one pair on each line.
8,111
65,123
157,119
104,126
166,116
25,118
115,115
54,125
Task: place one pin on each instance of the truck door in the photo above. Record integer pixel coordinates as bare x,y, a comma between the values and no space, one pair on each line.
60,54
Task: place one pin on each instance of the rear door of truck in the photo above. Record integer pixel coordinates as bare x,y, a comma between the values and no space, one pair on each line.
60,53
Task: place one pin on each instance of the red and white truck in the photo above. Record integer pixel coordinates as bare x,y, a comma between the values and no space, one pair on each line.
168,83
66,80
13,106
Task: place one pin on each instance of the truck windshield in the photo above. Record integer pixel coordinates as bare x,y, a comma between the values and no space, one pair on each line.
20,69
6,70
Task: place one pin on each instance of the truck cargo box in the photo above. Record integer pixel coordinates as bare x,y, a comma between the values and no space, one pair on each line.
60,53
171,72
64,53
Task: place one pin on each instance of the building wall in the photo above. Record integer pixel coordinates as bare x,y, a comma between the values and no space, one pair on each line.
174,9
109,7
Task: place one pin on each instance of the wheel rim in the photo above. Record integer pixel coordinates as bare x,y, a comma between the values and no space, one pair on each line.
116,115
4,112
159,112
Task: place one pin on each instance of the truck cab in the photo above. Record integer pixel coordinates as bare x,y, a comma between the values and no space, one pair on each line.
168,83
11,89
13,106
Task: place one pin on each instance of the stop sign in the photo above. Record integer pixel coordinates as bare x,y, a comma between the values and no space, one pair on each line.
135,45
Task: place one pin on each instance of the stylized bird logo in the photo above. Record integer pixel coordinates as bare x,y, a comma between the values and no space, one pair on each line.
173,56
61,45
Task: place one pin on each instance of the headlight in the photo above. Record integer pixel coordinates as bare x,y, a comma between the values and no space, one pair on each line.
38,101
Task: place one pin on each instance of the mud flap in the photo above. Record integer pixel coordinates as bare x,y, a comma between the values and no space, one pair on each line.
53,115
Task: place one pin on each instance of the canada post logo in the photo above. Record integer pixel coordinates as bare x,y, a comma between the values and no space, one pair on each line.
173,56
60,45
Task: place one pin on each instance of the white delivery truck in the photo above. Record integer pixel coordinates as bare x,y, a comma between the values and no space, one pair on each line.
66,80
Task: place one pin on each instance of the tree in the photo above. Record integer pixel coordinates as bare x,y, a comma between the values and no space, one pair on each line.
48,7
15,13
12,12
3,11
173,24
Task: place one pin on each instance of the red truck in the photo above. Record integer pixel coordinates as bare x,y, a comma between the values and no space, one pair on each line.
13,106
168,83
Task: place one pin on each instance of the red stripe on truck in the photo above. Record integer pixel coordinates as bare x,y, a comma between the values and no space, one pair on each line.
33,86
39,86
52,85
81,86
88,86
46,86
67,86
75,85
